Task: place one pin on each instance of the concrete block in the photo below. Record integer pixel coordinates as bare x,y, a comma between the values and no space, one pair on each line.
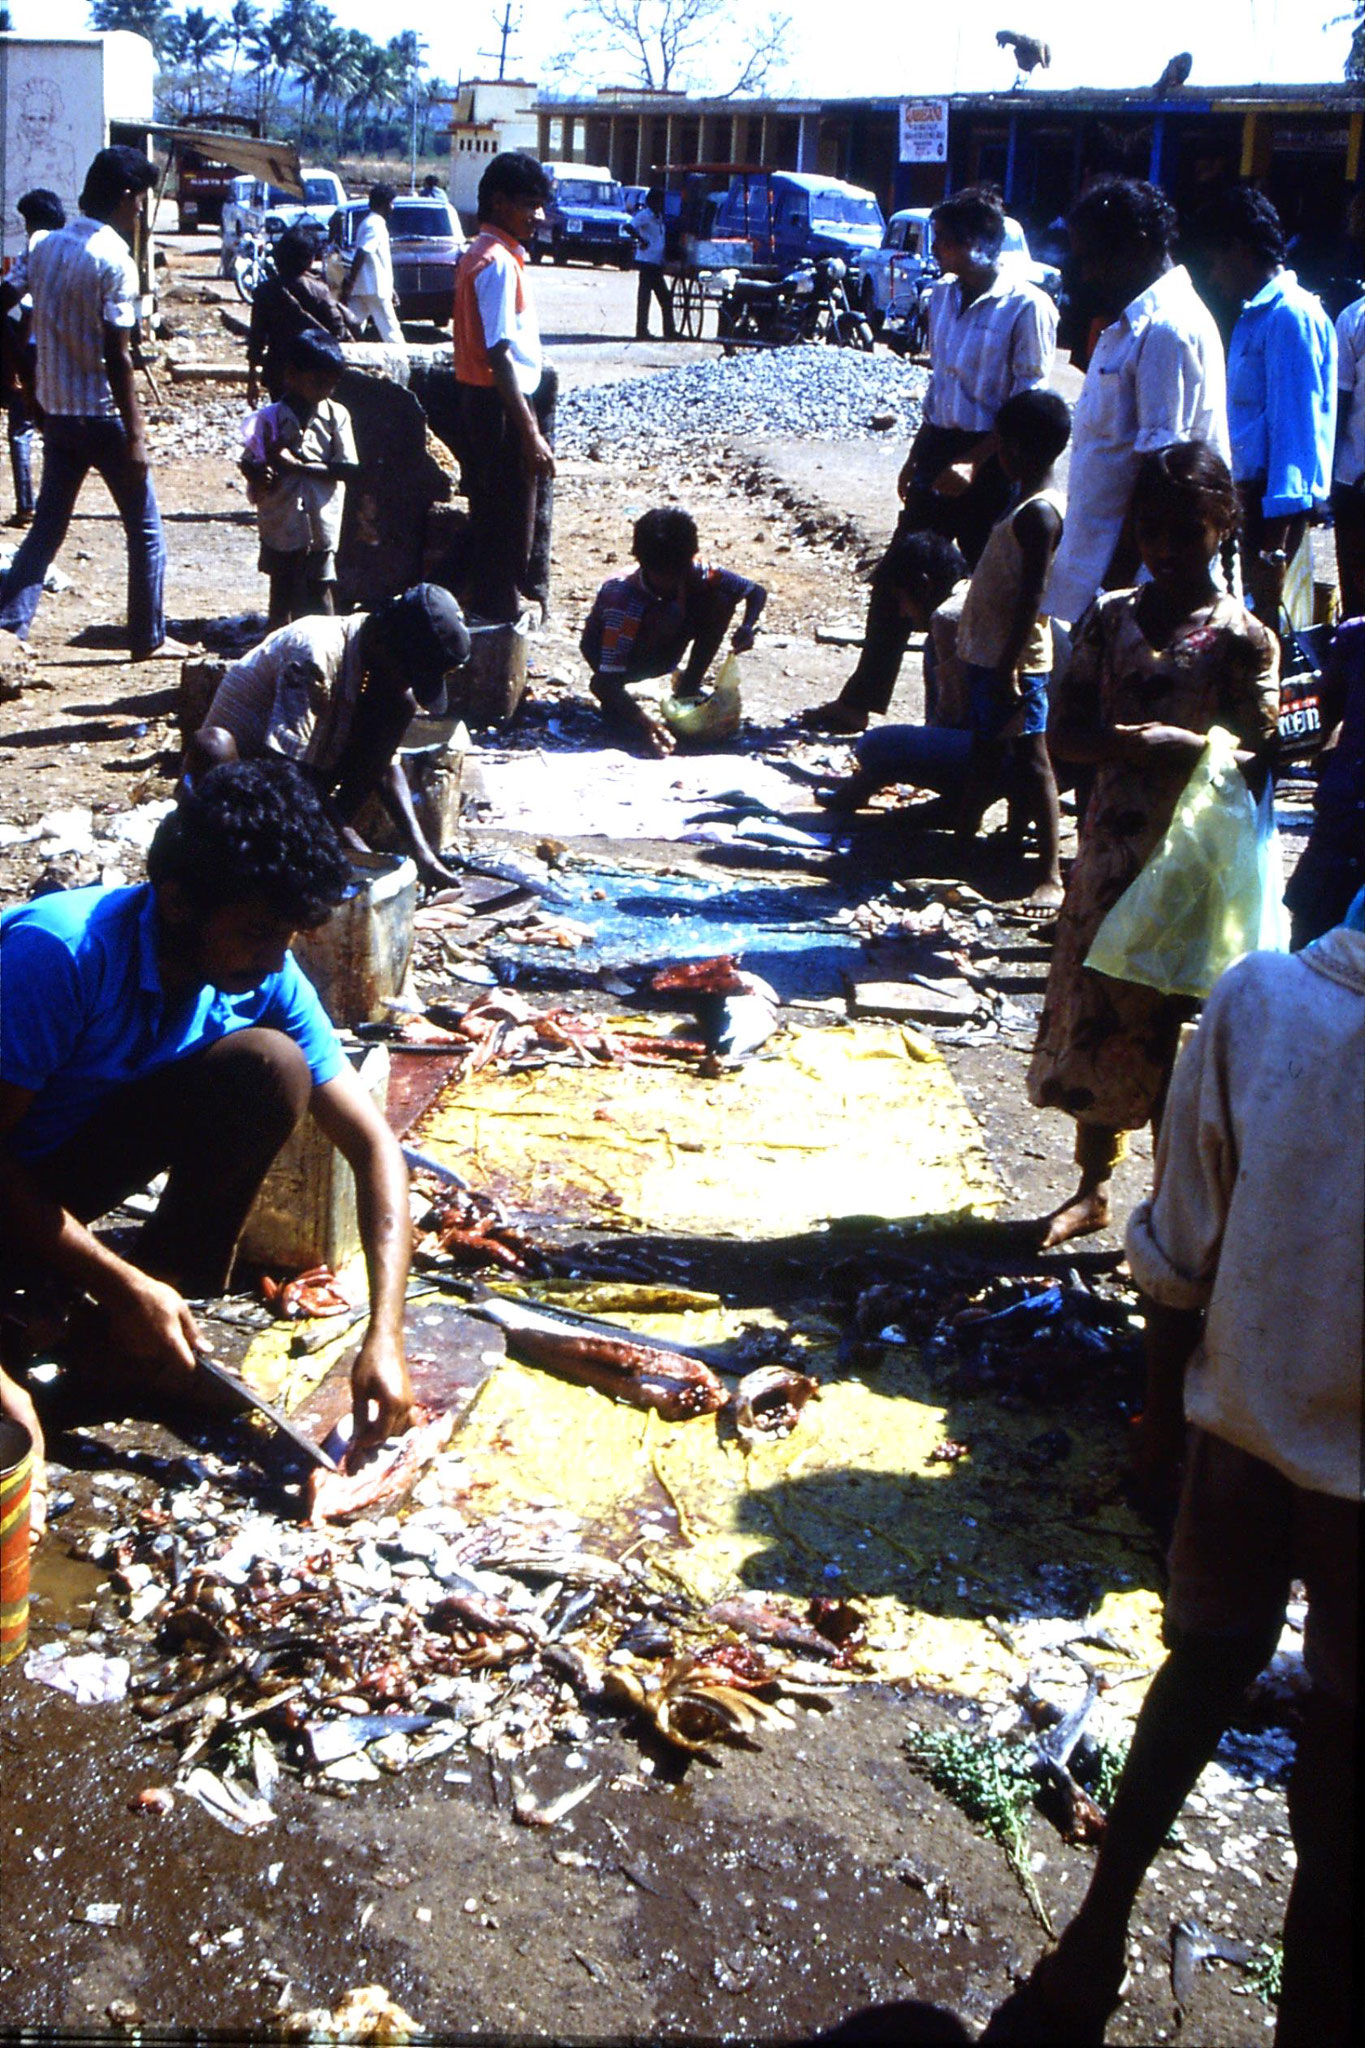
384,528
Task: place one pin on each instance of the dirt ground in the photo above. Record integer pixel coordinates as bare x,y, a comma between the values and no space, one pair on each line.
761,1900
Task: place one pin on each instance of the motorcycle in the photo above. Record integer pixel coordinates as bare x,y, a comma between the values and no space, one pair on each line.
252,262
809,304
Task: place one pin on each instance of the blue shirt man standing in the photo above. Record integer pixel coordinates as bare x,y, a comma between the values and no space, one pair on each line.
1282,401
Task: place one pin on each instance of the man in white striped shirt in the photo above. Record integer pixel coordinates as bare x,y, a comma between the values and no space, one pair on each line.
85,291
991,336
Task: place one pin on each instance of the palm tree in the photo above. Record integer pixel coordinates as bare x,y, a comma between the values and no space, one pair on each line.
198,38
241,25
150,18
275,47
379,84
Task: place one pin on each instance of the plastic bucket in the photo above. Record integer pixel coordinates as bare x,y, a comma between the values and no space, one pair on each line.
16,1478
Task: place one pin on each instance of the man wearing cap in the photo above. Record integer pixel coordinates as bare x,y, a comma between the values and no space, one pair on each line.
507,395
336,695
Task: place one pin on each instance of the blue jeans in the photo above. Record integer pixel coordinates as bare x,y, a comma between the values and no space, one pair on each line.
71,449
20,421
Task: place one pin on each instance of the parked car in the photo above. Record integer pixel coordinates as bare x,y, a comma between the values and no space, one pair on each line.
802,217
892,279
253,207
427,242
586,218
203,184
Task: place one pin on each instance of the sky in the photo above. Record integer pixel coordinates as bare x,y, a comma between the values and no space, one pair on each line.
907,47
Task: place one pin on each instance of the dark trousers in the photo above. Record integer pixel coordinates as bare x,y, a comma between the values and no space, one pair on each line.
511,510
1348,520
966,520
20,425
650,283
71,449
212,1122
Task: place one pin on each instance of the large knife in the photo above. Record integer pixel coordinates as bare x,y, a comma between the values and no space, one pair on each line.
246,1400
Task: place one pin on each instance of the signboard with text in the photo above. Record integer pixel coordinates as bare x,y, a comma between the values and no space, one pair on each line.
924,131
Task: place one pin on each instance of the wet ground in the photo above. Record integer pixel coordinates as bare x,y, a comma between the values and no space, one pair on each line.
760,1896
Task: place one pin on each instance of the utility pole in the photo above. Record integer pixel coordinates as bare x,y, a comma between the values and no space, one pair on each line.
507,28
415,47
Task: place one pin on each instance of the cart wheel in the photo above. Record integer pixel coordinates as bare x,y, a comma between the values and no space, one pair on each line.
689,309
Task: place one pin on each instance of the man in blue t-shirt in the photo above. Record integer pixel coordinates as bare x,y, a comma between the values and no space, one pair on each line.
167,1028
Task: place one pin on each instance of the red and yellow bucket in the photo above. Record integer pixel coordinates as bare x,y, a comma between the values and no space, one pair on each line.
16,1480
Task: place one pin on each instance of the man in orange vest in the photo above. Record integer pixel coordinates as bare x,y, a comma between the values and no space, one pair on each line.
507,396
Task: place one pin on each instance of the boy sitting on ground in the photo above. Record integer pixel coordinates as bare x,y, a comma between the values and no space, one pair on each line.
1003,645
643,625
299,454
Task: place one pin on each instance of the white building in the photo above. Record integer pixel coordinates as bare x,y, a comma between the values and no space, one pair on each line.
487,116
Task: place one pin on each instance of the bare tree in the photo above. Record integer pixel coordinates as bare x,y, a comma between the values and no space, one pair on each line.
675,45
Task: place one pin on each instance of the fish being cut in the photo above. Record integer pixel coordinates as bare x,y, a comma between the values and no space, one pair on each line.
382,1476
626,1367
768,1403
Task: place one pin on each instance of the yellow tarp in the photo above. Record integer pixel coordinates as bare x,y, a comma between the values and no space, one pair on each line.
851,1504
864,1121
841,1122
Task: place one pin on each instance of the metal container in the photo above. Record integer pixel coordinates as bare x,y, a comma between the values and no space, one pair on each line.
16,1481
360,956
305,1211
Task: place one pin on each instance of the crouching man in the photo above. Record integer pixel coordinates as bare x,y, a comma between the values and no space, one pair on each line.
166,1027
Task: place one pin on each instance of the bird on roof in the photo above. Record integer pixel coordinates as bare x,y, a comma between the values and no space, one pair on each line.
1175,74
1029,53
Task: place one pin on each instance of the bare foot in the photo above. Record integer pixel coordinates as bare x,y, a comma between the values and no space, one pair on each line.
1086,1212
1041,905
1067,2000
636,720
837,717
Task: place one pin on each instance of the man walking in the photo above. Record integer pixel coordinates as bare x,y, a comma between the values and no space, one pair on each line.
84,285
1157,376
991,336
647,226
1282,402
368,290
507,396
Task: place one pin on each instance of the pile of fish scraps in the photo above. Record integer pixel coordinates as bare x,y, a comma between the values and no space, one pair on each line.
337,1654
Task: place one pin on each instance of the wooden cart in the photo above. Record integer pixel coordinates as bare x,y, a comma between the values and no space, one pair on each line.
717,218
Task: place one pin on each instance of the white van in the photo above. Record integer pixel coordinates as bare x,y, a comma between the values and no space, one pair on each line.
253,207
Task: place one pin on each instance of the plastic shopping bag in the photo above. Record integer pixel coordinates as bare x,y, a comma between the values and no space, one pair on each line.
1199,903
703,721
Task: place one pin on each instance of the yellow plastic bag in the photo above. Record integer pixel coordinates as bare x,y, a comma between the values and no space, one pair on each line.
704,720
1197,905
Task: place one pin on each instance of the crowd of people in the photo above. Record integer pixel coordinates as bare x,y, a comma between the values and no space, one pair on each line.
1085,634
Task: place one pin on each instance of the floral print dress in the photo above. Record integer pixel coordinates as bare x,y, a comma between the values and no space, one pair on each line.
1105,1048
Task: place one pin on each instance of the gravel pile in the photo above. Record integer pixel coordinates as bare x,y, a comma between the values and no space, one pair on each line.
809,394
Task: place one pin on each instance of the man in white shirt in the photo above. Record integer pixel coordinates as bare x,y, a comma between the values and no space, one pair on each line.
507,395
85,290
991,336
368,289
650,236
1157,376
